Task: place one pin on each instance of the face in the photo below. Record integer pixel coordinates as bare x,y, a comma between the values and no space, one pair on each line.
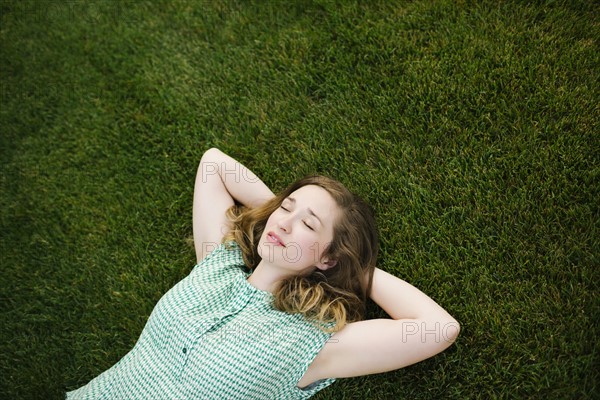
297,233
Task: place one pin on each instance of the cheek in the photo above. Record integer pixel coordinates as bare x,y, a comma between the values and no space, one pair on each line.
312,249
271,223
270,219
320,245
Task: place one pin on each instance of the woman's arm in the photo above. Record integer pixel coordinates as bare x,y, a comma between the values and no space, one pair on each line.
419,329
401,300
220,181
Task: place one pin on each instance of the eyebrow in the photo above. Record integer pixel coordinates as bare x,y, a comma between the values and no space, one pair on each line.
311,212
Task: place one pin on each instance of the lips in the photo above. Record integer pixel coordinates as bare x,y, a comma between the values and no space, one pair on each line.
273,238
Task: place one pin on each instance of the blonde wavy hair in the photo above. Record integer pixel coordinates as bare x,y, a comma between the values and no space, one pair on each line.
333,297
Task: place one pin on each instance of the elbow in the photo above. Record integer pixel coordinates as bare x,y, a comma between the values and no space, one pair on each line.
210,153
211,160
451,330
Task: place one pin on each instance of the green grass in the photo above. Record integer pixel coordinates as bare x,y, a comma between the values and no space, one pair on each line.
472,127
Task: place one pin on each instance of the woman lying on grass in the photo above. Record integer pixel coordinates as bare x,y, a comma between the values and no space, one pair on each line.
274,307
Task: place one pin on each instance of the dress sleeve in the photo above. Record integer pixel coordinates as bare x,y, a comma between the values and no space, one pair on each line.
304,393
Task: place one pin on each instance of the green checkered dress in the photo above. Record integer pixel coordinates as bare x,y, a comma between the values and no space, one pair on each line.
215,336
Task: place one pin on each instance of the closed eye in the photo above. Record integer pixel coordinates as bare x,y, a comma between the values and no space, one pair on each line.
308,226
285,209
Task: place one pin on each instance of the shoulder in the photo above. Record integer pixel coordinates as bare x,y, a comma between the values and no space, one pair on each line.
222,257
216,252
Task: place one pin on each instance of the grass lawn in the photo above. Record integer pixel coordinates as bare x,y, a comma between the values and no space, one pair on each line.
472,127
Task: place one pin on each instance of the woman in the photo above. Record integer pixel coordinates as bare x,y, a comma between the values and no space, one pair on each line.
274,307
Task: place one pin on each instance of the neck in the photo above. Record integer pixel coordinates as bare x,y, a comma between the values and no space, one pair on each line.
266,277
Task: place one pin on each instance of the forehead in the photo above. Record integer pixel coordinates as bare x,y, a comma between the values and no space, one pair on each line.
318,200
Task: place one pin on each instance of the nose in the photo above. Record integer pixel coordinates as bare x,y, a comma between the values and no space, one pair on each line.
285,223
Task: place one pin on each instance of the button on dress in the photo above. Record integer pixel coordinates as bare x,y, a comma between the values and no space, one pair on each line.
215,336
